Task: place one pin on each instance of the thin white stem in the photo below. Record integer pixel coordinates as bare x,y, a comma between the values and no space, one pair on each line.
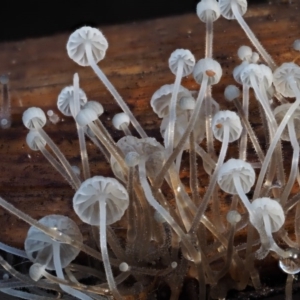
103,245
13,250
241,193
114,92
75,108
172,109
264,54
244,136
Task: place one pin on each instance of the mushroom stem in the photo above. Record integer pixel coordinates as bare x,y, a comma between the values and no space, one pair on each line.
241,193
264,54
243,142
113,91
109,275
60,274
172,109
82,144
5,110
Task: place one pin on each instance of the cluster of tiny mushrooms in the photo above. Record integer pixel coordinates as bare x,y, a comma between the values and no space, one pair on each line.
163,241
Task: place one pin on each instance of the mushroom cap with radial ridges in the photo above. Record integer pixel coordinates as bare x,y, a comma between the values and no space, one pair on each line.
207,67
31,139
279,113
252,70
226,118
86,116
267,76
226,10
34,113
188,61
119,119
95,106
161,98
237,71
65,98
270,207
99,188
281,75
80,38
236,167
205,6
39,246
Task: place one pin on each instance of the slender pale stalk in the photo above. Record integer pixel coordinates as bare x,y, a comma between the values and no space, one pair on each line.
243,141
289,287
113,91
264,54
12,250
75,108
172,109
5,109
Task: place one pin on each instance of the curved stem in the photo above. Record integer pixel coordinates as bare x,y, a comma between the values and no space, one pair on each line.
241,193
113,91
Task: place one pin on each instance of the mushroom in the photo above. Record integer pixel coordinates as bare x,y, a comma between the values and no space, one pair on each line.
34,118
121,121
87,46
102,201
52,254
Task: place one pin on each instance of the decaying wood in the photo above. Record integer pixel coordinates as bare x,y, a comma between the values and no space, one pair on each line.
137,64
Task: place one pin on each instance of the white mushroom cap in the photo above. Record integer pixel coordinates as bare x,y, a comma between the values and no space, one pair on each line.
188,61
39,246
252,70
205,6
226,10
99,188
86,116
226,118
237,71
279,113
245,53
95,106
207,67
281,75
187,103
32,138
269,207
80,38
254,58
119,119
161,99
296,45
231,92
66,98
267,76
132,159
34,113
236,167
233,217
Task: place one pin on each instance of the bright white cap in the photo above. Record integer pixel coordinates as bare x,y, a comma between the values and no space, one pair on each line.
32,138
231,92
236,167
99,188
244,53
86,36
124,267
207,67
187,58
187,103
132,159
237,71
269,207
226,8
34,113
208,7
95,106
296,45
254,58
252,70
233,217
36,271
120,119
66,98
281,76
86,116
226,118
267,75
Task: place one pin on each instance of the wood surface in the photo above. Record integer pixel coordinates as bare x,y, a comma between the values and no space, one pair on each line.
137,64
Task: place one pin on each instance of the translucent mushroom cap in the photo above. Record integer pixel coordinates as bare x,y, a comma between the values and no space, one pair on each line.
160,100
236,167
39,246
237,71
251,70
207,67
66,98
147,148
99,188
86,116
208,6
34,113
269,207
281,76
226,9
188,61
245,53
231,92
32,138
80,38
120,119
230,119
279,113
